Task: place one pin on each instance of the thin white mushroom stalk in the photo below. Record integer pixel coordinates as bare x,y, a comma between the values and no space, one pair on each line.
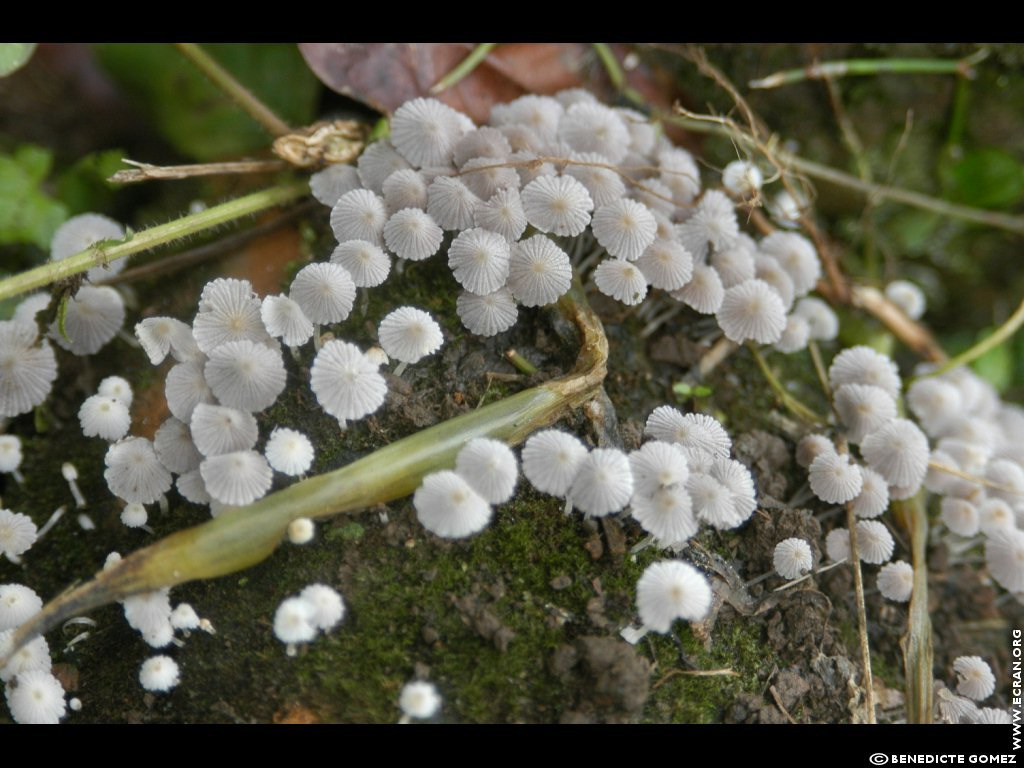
239,538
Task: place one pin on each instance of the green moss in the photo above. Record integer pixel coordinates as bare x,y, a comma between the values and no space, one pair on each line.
738,645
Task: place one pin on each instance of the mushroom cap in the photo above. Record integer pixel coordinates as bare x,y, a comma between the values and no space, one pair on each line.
18,604
834,477
409,334
976,680
228,311
37,699
162,335
346,383
898,451
405,188
245,375
557,204
359,215
874,542
33,656
490,467
159,673
908,297
94,316
666,265
218,429
134,473
1004,554
325,291
285,320
81,231
593,127
670,590
541,114
704,291
502,213
837,544
603,484
742,178
367,263
797,256
960,516
873,498
693,431
622,280
539,272
593,171
425,131
489,314
332,182
17,533
792,558
376,164
328,606
10,453
289,451
419,699
658,464
294,621
118,388
896,581
446,505
104,417
412,234
186,387
666,514
551,459
625,228
752,311
819,316
485,176
451,203
237,478
863,365
863,408
479,260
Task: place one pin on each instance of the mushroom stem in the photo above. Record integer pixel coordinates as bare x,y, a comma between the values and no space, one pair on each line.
241,537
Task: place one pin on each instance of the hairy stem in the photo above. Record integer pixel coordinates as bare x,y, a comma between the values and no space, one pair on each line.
162,234
850,67
241,95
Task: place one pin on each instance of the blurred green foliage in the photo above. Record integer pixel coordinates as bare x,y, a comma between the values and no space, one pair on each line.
13,56
196,117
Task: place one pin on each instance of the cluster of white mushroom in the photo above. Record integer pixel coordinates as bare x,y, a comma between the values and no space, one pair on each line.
975,683
33,694
975,466
318,608
555,182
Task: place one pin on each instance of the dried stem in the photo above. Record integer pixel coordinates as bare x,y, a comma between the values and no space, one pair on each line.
862,620
917,643
241,95
147,171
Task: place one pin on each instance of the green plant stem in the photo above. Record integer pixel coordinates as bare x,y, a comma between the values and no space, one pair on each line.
917,643
162,234
819,368
1001,334
241,537
241,95
797,408
825,173
862,67
616,73
464,67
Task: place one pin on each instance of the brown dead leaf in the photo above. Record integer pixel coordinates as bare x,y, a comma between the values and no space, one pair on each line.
385,75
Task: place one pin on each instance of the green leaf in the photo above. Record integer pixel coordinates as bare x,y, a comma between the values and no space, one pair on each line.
985,178
13,56
27,214
197,117
84,187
